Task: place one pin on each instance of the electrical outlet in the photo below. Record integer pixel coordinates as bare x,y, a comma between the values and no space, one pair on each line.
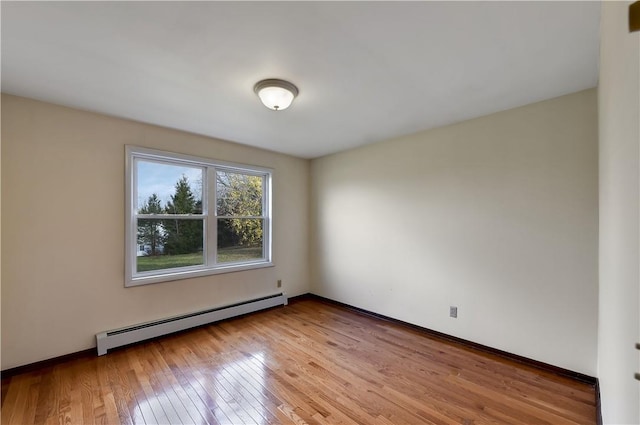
453,312
279,285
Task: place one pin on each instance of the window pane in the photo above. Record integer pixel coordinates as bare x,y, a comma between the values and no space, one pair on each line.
238,194
168,188
167,244
239,239
175,198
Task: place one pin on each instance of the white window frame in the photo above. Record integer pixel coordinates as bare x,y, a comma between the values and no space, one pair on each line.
209,215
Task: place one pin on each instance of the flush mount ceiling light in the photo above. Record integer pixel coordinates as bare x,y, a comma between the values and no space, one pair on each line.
275,94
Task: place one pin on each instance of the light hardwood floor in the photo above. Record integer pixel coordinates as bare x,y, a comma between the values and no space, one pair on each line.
307,363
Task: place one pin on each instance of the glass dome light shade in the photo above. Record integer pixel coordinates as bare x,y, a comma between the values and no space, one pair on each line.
276,94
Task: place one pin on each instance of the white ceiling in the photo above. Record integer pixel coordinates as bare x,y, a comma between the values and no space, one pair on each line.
367,71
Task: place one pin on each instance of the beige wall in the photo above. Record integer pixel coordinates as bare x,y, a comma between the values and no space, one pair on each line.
619,153
63,230
497,216
0,233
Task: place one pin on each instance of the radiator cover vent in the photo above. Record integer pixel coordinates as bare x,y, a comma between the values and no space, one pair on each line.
143,331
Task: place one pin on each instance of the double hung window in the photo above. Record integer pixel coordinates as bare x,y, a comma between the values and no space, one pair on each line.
189,216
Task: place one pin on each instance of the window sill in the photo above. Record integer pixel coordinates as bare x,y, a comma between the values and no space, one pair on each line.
188,274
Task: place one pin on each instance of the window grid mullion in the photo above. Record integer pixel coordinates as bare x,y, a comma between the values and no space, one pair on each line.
247,217
212,228
171,216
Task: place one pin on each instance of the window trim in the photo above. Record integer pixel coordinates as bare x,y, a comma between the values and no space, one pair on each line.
209,216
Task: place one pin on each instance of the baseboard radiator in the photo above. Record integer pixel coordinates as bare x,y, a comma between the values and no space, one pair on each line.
124,336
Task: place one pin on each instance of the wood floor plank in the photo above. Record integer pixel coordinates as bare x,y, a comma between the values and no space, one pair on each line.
208,407
17,399
92,401
308,363
44,408
343,365
261,390
112,393
158,402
